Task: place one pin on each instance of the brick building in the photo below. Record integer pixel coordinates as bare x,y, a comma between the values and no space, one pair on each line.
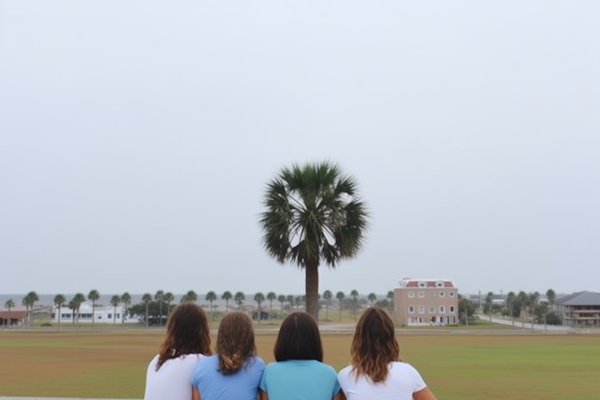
426,302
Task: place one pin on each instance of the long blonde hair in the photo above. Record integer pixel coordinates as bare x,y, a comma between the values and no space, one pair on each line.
374,345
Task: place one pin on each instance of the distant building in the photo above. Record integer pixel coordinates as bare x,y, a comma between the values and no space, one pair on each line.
102,314
12,318
580,309
426,302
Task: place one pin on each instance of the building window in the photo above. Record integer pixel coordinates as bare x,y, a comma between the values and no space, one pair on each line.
432,294
422,284
431,309
442,309
451,309
451,294
421,294
411,294
411,309
421,309
442,294
439,284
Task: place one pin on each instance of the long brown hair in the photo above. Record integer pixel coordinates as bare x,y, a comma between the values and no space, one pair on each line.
374,345
187,333
235,342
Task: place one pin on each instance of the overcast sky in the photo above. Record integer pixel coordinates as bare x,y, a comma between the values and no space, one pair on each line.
136,139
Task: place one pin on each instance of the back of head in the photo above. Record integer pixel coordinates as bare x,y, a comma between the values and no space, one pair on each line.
374,345
235,342
298,338
188,332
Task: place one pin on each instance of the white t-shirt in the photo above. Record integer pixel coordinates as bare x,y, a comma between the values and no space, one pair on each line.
173,381
402,381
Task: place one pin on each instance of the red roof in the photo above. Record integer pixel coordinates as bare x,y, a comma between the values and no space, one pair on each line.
428,283
12,314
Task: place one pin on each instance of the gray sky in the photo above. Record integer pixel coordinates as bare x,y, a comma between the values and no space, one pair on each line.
136,139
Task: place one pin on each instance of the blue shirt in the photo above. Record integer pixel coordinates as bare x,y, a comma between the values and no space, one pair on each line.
299,380
213,385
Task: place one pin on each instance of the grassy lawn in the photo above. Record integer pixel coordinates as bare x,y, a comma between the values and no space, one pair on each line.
456,366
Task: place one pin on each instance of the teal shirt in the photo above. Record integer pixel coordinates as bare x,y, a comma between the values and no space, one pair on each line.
299,380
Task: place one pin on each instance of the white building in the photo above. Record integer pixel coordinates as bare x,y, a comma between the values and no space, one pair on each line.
102,314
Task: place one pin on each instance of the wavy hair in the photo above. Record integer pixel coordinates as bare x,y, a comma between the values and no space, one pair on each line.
235,342
374,345
188,332
298,338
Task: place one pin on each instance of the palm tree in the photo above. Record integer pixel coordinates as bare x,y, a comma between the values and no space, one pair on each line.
551,296
390,297
210,297
59,300
29,301
313,215
290,300
93,295
489,302
73,307
523,300
533,301
327,295
340,296
189,296
126,299
114,301
168,298
158,297
271,296
146,299
259,298
78,300
511,299
239,298
281,300
226,296
354,295
372,297
9,304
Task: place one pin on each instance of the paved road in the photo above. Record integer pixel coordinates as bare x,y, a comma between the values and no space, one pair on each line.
538,328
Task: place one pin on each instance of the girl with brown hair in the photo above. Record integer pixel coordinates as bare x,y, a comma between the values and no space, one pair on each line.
234,372
376,371
299,372
187,341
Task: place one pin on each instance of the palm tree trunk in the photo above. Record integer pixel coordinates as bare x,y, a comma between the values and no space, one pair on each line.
312,290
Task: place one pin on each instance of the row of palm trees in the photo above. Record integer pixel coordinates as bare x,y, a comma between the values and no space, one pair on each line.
522,304
167,298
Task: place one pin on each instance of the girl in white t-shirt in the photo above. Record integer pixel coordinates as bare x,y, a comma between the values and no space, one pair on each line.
376,371
187,341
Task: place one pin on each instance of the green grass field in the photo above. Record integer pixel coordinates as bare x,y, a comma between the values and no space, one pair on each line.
455,366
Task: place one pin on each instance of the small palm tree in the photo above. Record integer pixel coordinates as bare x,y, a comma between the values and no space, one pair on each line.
271,296
114,301
281,300
226,296
259,298
189,296
523,300
551,296
9,304
126,299
534,299
390,297
146,299
59,300
354,295
239,298
487,305
327,295
511,299
313,215
73,307
372,297
158,296
210,297
29,302
93,296
290,300
78,300
340,296
168,298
